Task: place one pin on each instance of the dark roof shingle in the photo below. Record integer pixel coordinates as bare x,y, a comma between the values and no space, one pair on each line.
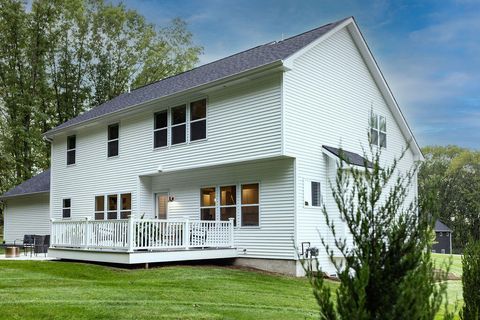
247,60
349,157
36,184
441,227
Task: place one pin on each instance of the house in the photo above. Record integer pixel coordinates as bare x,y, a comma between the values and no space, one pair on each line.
443,238
228,160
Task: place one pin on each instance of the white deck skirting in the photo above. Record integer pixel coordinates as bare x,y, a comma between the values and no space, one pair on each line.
143,256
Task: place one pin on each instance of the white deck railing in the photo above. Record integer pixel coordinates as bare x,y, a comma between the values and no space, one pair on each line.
141,234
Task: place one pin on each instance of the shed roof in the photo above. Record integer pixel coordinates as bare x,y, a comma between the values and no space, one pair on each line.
349,157
441,227
36,184
250,59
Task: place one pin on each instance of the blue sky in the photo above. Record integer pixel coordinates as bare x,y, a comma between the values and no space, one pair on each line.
429,51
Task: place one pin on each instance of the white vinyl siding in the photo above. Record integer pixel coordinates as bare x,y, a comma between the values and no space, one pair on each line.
244,123
26,215
328,97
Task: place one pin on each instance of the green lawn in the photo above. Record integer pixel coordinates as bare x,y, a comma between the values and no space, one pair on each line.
444,259
59,290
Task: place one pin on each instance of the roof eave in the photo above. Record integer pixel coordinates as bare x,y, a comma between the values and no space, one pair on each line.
263,68
2,197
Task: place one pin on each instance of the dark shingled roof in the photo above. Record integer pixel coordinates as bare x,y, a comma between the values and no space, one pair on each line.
441,227
349,157
37,184
247,60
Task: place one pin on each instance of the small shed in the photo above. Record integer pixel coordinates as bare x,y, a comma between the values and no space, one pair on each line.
443,238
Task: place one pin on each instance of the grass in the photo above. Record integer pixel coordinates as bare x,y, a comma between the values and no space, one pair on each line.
58,290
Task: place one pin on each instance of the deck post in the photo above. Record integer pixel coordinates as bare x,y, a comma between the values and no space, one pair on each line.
186,234
131,234
230,220
86,233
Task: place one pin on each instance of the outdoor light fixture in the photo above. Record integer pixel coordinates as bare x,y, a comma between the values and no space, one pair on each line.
171,198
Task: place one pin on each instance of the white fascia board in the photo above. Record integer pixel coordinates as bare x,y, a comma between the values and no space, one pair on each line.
377,75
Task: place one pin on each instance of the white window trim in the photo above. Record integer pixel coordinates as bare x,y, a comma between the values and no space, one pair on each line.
378,130
72,149
167,128
307,194
111,140
70,208
105,205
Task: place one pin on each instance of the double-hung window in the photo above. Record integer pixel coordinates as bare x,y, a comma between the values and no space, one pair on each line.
378,130
125,205
250,205
179,124
113,137
71,149
160,130
228,203
207,203
198,120
99,207
66,208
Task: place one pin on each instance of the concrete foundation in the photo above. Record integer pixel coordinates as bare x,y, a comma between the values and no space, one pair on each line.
288,267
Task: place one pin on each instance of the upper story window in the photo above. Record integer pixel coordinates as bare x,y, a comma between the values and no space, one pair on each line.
179,124
378,130
66,208
160,129
71,149
113,136
198,120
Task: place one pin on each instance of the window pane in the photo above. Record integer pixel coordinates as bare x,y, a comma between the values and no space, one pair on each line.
99,203
71,142
112,215
125,214
71,157
161,119
67,203
316,194
113,148
207,197
373,121
207,214
126,201
66,213
228,196
383,124
383,140
250,216
113,131
178,134
160,138
227,213
373,136
250,193
99,216
112,202
198,130
198,110
179,114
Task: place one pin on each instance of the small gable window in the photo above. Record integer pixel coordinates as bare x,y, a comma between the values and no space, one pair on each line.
113,137
71,149
378,130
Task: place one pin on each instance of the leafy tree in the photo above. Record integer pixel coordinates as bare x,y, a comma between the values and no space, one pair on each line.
452,175
471,281
59,58
386,271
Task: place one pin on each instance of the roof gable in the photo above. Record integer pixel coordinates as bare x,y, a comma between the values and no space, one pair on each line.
250,59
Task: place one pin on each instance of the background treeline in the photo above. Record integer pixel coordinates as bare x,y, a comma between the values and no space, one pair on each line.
452,175
59,58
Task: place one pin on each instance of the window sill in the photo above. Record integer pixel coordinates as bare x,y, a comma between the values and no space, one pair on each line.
71,165
113,157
